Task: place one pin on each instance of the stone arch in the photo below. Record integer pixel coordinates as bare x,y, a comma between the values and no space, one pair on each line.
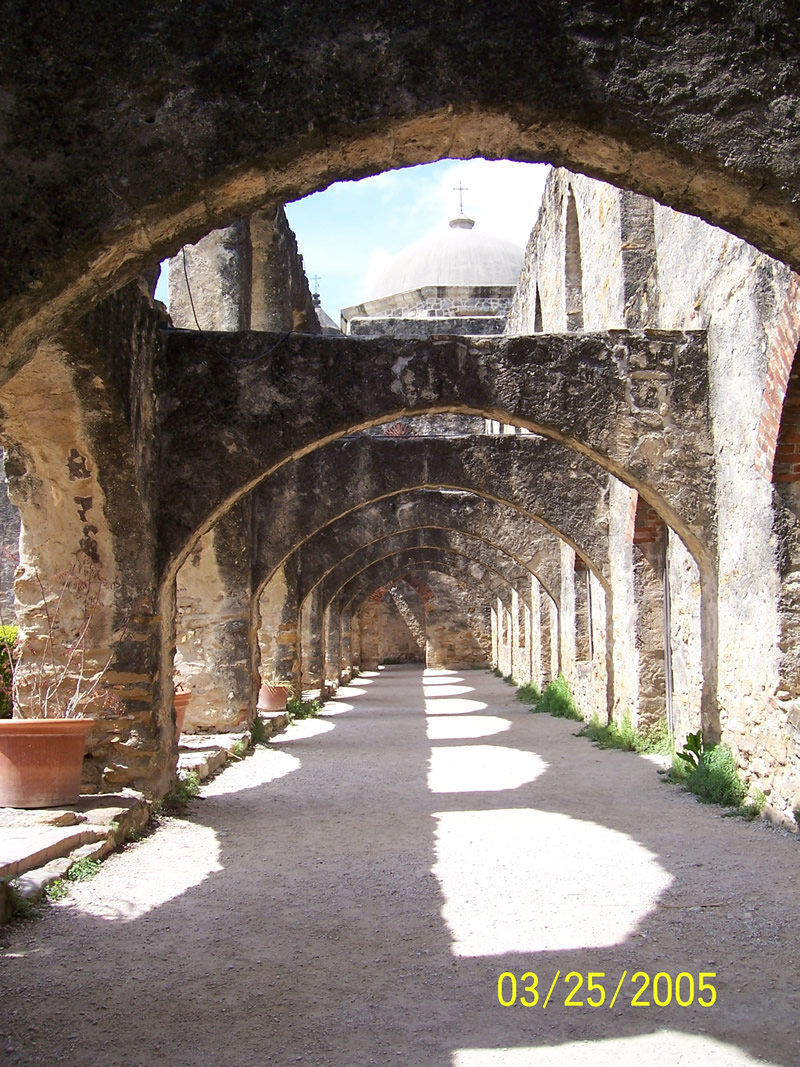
423,538
363,581
128,195
493,469
524,541
447,581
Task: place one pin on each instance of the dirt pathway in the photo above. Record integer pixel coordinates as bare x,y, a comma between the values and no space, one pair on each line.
349,896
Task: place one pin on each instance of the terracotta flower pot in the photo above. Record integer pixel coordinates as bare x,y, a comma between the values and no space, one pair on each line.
41,761
272,697
181,702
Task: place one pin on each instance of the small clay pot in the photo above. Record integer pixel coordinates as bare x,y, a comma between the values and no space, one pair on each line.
273,697
181,702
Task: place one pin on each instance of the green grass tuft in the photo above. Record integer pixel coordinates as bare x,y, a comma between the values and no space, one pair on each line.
297,708
258,731
84,869
716,779
529,693
557,701
626,737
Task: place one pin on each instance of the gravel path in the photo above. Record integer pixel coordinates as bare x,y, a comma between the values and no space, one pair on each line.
349,895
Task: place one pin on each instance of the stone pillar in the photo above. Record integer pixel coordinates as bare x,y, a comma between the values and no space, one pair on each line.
279,627
683,589
218,269
332,671
369,635
79,469
346,643
566,643
649,556
312,641
535,629
520,656
622,511
216,656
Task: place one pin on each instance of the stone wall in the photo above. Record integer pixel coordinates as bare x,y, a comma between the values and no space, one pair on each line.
457,625
247,276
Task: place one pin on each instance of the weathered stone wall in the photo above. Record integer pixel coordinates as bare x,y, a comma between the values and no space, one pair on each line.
438,302
278,627
385,632
457,625
9,548
247,276
81,470
644,264
216,656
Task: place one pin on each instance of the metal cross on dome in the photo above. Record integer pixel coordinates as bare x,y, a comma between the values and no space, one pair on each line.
460,189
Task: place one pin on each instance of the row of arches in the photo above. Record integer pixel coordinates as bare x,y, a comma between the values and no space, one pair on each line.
158,448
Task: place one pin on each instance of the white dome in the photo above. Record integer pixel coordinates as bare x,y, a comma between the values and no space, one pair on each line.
456,256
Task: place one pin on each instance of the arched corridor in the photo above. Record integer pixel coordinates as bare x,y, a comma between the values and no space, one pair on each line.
350,894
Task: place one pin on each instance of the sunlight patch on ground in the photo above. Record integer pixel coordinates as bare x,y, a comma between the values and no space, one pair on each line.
446,690
440,676
571,884
454,706
665,1048
190,855
482,769
454,727
337,707
264,766
302,729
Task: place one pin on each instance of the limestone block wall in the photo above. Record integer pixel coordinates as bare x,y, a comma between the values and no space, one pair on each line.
278,627
643,264
9,548
457,624
247,276
385,635
216,650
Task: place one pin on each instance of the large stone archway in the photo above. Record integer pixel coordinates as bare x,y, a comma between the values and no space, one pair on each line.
198,118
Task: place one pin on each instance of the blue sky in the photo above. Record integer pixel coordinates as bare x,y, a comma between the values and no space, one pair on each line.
348,232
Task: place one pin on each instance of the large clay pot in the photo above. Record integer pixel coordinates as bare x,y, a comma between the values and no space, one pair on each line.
273,697
181,703
41,761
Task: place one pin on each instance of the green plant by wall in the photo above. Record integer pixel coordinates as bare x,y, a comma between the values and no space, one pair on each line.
509,679
715,780
258,731
753,808
710,772
626,737
8,652
57,890
186,786
557,700
529,693
297,708
84,869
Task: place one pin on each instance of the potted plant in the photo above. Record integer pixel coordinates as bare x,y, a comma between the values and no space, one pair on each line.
274,693
56,689
180,702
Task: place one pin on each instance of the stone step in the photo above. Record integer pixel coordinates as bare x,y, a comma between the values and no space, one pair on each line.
39,845
207,753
